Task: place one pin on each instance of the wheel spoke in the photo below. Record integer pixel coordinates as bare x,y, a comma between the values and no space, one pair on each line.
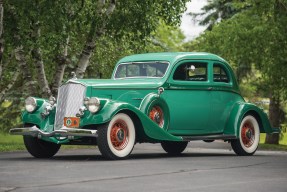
248,134
119,135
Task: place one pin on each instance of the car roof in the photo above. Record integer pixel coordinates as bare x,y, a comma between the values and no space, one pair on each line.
171,57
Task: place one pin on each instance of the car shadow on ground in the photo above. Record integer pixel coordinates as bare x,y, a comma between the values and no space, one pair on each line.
137,156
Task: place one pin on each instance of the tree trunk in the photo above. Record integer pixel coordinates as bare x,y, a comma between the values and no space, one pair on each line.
85,58
62,61
10,85
94,34
39,64
40,70
29,84
1,36
17,72
274,117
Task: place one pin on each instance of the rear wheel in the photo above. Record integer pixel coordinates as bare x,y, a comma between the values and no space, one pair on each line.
40,148
116,139
173,147
249,135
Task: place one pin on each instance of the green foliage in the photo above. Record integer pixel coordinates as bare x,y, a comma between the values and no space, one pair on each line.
170,38
45,25
10,115
127,29
254,37
216,11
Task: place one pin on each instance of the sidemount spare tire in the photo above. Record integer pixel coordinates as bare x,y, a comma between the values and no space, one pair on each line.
156,109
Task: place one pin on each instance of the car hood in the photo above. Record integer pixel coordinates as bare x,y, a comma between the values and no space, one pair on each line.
120,83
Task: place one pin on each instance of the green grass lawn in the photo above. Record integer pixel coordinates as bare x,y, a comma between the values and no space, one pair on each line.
15,143
282,143
11,142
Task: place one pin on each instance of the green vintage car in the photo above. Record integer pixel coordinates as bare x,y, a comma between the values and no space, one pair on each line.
166,98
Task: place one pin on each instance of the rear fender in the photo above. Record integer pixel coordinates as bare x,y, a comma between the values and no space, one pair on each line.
239,111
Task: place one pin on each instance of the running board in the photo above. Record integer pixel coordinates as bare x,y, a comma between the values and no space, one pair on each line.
208,137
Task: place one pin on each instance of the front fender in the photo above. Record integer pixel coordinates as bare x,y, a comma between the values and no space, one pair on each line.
35,118
111,108
238,112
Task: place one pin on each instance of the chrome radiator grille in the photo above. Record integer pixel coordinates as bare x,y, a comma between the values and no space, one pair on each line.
70,99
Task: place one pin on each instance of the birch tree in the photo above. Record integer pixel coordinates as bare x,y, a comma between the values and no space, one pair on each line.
46,40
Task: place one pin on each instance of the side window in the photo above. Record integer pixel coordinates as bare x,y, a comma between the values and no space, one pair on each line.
191,72
219,74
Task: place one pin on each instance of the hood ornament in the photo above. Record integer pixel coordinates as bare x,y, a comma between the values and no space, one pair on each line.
74,75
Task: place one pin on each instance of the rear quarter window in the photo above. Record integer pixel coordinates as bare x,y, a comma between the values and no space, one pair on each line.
220,74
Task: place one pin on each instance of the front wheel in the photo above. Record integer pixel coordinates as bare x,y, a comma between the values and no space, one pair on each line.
249,135
40,148
174,147
116,139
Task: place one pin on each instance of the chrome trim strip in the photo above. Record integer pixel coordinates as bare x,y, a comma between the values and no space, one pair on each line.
63,132
208,137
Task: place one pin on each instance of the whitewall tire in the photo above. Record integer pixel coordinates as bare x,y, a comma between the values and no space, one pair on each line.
248,138
116,139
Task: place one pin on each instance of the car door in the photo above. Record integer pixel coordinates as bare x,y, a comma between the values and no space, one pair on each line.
188,97
223,96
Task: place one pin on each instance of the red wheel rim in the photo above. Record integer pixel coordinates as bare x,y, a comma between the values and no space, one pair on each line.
119,135
156,114
247,134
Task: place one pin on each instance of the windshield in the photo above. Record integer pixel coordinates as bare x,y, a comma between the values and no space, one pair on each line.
141,70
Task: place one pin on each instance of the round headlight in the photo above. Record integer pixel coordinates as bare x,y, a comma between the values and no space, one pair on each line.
30,104
52,100
93,105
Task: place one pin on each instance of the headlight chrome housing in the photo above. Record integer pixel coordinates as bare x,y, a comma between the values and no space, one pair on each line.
30,104
52,100
93,104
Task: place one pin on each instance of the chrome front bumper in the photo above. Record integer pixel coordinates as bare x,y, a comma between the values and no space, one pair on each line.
63,132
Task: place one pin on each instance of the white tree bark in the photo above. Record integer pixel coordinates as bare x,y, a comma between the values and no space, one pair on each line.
1,36
85,58
10,85
39,64
41,75
26,73
94,34
62,63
